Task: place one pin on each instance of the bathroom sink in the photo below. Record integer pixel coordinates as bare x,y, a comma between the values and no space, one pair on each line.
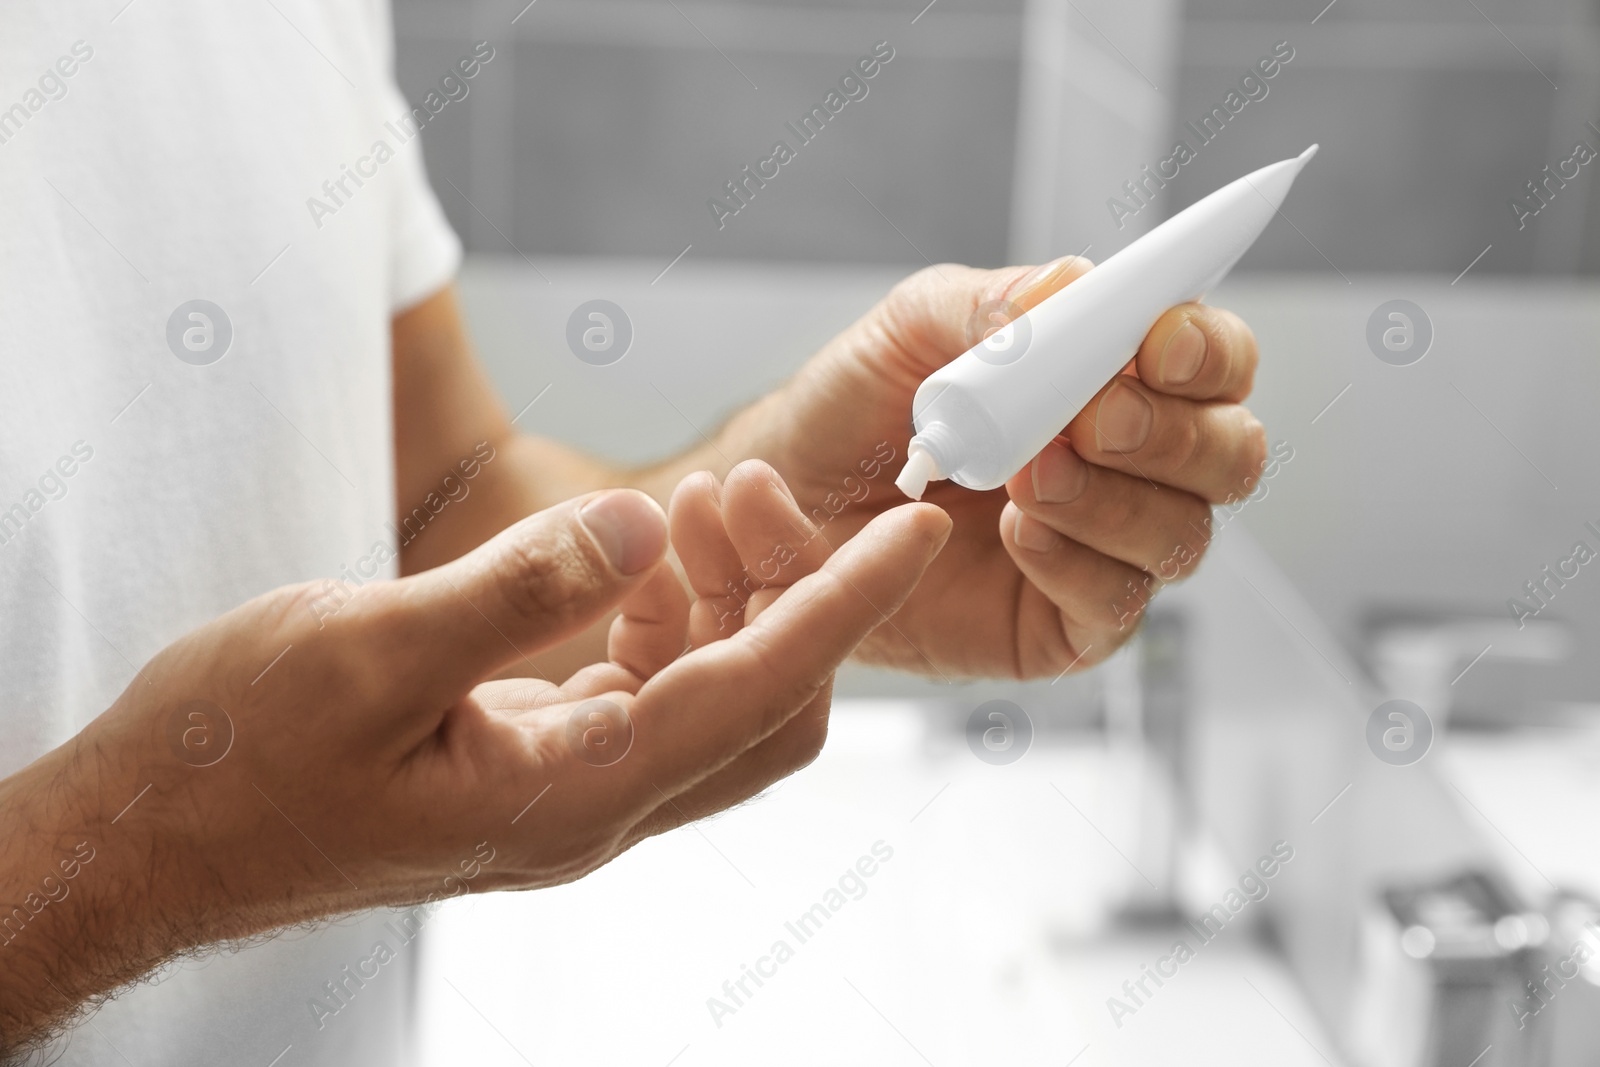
900,901
1528,791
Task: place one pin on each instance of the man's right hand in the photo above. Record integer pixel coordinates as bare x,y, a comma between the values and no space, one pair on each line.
288,762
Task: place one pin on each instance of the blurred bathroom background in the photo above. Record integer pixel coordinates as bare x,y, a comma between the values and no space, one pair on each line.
1427,495
997,134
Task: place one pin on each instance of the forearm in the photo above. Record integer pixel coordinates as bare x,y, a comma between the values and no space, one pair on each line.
465,473
515,476
752,433
524,474
527,474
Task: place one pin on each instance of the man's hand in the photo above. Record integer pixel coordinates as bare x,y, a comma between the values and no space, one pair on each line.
283,764
1053,572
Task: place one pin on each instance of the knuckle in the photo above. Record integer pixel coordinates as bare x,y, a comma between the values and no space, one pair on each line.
1048,650
1252,451
1188,443
1193,541
778,690
338,652
1116,512
917,285
1238,341
1126,616
1201,534
1244,338
932,285
544,577
293,608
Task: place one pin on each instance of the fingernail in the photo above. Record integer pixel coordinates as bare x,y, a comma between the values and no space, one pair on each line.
1181,359
1122,423
628,527
783,487
1031,534
1042,276
1059,475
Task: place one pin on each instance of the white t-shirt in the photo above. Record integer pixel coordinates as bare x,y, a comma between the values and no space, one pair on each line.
154,153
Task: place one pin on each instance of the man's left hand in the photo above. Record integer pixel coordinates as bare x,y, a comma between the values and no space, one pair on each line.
1052,572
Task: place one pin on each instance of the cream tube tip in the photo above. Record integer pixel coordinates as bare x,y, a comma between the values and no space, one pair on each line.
1307,154
920,469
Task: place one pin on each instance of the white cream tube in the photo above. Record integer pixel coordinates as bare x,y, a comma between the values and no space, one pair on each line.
983,416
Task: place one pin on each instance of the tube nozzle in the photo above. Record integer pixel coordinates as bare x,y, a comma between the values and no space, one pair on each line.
920,469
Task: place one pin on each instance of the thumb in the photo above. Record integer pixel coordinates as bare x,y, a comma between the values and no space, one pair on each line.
940,312
539,582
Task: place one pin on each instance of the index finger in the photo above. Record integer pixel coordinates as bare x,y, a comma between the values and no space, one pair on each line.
713,704
1199,352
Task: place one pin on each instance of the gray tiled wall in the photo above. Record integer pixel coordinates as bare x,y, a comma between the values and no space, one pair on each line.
604,127
1432,115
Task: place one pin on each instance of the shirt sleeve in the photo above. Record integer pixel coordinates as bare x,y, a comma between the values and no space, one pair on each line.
426,253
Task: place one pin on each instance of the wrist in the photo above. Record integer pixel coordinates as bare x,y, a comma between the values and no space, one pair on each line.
757,431
90,897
